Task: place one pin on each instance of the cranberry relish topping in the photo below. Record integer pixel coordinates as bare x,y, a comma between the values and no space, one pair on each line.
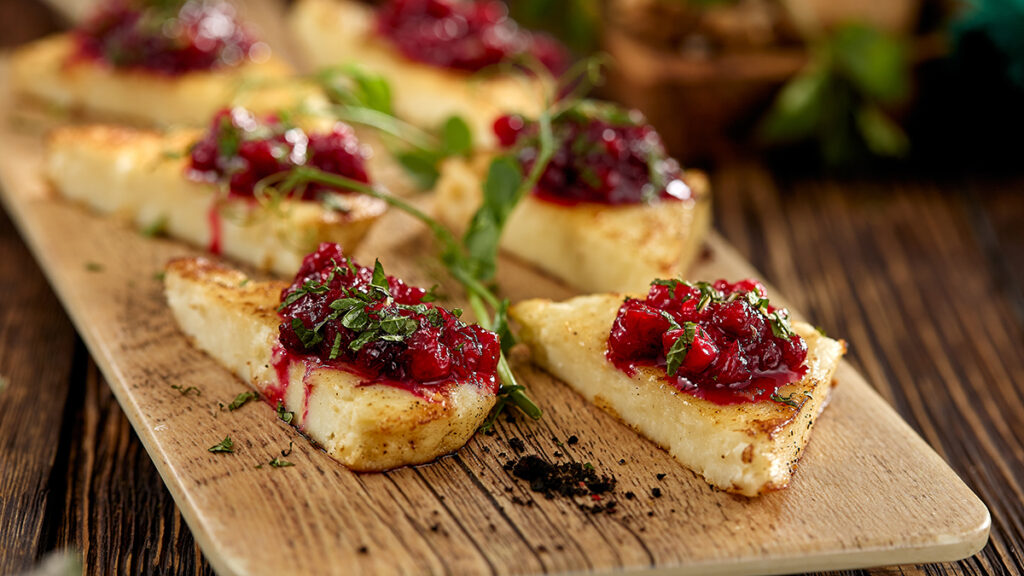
602,154
465,35
240,150
722,342
380,327
168,37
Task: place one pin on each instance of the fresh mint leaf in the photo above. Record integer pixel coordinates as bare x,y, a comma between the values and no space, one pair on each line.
680,348
380,279
309,338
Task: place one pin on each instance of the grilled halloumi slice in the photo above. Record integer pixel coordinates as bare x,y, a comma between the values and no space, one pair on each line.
339,32
48,71
746,449
593,247
141,177
367,427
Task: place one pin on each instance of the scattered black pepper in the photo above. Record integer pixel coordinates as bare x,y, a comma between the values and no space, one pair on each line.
573,440
516,444
630,495
435,527
567,480
363,550
622,461
661,476
656,492
557,454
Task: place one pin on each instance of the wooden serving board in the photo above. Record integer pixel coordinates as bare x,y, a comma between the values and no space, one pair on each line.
869,490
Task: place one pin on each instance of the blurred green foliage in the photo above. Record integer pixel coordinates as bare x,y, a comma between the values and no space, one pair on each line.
839,99
1002,22
574,22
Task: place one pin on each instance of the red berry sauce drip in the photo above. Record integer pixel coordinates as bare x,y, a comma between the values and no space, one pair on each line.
337,313
463,35
722,342
600,158
199,35
240,150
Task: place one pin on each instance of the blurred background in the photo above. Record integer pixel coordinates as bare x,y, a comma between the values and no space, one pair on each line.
812,84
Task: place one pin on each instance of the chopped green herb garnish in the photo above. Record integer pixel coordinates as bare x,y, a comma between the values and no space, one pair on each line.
186,391
279,463
94,267
680,348
789,400
157,227
284,414
225,445
241,400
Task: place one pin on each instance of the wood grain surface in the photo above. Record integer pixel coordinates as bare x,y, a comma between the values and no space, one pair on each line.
869,491
923,277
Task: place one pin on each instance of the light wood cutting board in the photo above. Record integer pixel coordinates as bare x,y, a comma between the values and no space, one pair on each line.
869,490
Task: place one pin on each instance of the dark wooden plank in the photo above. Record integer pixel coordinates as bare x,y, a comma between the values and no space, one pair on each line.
115,510
36,346
923,281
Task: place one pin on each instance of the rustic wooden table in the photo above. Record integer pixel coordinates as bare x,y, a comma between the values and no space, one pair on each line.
923,277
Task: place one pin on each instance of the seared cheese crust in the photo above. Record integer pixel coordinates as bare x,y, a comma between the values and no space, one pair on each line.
140,176
46,70
366,427
339,32
746,449
593,247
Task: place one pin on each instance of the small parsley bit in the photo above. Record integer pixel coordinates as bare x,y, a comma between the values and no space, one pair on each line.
284,414
241,400
226,445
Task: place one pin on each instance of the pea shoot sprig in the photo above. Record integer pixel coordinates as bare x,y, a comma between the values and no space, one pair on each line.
360,97
473,260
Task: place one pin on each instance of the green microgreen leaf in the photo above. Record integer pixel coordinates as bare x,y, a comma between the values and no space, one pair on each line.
225,445
277,462
421,166
456,137
500,196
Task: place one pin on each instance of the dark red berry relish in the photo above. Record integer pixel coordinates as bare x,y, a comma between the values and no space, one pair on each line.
602,154
379,327
169,38
722,342
465,35
240,150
